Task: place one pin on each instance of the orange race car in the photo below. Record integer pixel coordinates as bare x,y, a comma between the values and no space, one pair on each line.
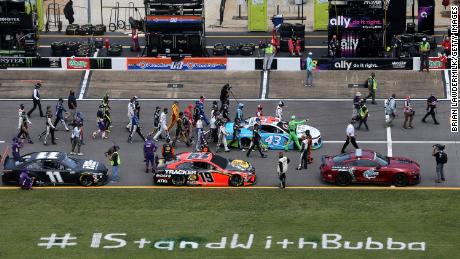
204,169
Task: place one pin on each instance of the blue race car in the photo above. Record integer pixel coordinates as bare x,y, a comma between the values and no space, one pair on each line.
274,133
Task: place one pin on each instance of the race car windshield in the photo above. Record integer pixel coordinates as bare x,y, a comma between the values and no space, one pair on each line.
219,161
69,162
383,160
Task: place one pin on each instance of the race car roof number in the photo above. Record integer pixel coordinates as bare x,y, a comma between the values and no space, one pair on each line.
47,155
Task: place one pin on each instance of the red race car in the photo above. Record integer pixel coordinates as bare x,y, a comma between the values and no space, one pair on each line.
366,166
205,169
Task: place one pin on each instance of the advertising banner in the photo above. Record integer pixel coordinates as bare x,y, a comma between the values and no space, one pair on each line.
100,63
362,22
437,63
78,63
362,64
426,16
29,62
184,64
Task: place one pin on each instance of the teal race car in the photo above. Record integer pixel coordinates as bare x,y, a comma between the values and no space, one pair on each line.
273,131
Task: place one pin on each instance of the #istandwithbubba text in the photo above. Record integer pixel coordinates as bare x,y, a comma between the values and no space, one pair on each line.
235,241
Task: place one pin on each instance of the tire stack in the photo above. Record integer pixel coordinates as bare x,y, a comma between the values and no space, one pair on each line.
86,29
299,34
219,50
233,50
71,48
114,50
58,49
247,49
286,33
72,29
99,29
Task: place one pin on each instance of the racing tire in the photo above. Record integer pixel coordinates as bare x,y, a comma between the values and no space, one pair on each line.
114,52
286,27
178,180
417,37
245,143
103,180
235,181
112,27
219,50
343,179
298,27
400,180
233,50
99,29
284,44
86,180
246,50
299,34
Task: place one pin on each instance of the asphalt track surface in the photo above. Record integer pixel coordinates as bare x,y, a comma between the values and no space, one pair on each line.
330,117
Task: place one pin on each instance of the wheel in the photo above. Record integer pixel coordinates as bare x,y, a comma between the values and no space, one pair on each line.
343,179
103,180
112,27
286,27
299,34
121,24
99,29
284,44
114,52
233,50
86,180
298,27
178,180
245,143
400,180
246,51
57,46
219,50
417,37
235,180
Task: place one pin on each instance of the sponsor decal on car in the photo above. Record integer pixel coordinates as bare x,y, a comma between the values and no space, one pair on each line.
240,164
179,172
371,174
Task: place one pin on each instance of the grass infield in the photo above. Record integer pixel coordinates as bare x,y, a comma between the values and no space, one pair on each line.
205,216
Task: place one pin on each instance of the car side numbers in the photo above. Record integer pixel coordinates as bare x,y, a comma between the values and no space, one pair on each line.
206,177
198,156
273,140
55,177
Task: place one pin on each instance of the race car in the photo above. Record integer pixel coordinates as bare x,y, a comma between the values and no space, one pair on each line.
205,169
366,166
273,131
55,168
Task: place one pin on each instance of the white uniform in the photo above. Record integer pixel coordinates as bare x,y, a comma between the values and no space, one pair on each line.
163,127
199,133
223,133
131,107
279,112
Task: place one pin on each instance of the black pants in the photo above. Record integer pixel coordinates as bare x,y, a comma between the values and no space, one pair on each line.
353,142
303,161
361,121
424,63
255,144
137,129
432,113
36,103
371,94
282,178
24,133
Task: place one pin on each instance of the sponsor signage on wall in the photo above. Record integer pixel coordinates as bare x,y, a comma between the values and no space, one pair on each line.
29,62
362,64
184,64
78,63
437,63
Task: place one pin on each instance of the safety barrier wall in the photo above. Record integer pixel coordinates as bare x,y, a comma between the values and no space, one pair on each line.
214,64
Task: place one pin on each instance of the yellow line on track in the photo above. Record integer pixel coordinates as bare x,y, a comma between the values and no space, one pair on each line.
128,36
377,188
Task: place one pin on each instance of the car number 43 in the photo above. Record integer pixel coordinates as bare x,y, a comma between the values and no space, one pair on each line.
55,177
273,140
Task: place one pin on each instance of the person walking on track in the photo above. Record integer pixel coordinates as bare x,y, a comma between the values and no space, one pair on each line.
282,169
372,86
36,100
350,137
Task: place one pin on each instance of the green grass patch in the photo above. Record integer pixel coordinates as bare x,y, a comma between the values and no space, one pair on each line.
205,216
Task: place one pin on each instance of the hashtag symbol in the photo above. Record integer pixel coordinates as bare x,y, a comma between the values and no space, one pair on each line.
53,240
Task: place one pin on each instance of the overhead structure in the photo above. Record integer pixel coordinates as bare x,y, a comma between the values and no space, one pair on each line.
175,28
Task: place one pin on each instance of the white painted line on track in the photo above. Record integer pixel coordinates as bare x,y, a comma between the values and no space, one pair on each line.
389,143
394,142
85,80
447,78
2,141
264,85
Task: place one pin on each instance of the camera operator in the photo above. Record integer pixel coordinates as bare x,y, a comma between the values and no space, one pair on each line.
441,159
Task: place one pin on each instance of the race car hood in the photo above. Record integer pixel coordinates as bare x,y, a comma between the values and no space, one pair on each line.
91,166
314,132
239,166
405,163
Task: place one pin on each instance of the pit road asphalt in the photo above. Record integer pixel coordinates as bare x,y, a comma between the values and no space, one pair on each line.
330,117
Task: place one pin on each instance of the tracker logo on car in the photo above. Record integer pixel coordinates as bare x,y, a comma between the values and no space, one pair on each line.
180,172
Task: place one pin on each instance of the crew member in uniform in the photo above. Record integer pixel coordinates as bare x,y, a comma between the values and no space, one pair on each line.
372,86
16,148
279,110
350,137
149,153
156,120
431,103
424,49
282,169
167,151
135,127
224,96
236,133
60,114
363,115
256,141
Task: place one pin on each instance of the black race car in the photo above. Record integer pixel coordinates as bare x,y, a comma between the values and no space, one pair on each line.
55,168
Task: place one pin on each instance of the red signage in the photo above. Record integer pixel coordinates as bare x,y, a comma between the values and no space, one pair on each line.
78,63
